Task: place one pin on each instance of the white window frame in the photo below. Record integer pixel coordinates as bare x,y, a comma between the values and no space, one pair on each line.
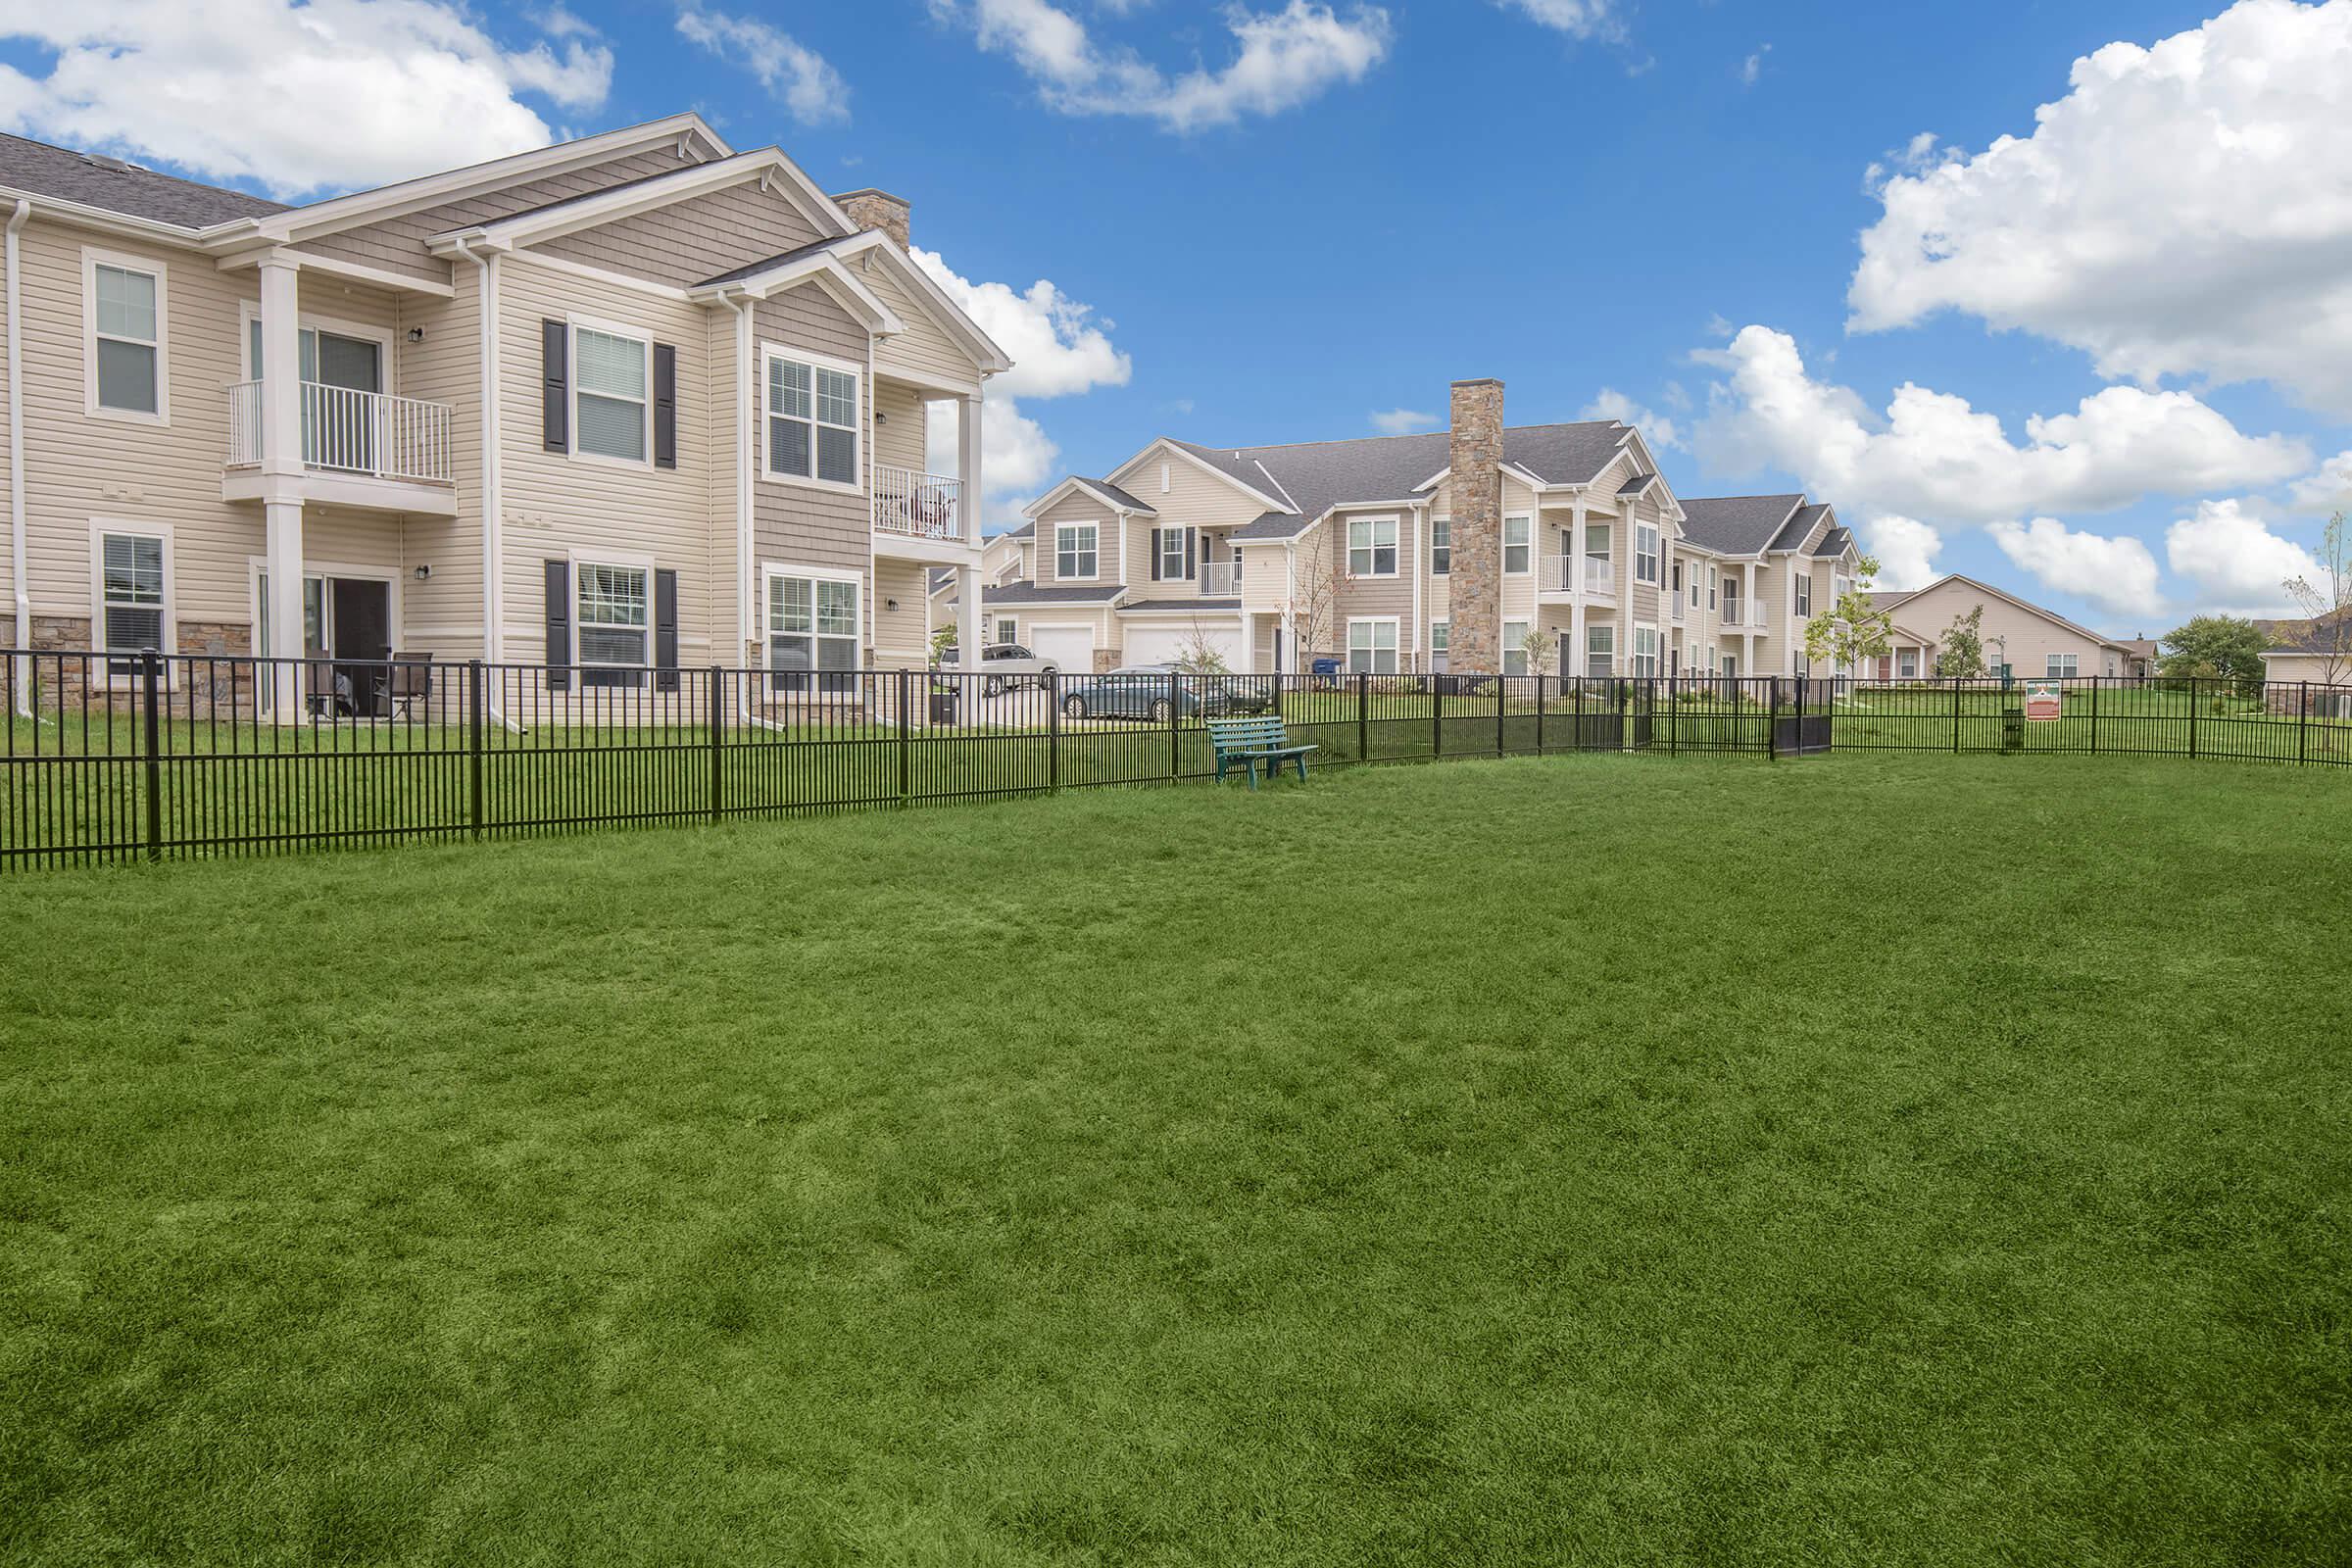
1608,536
770,353
1171,555
573,326
1372,649
168,631
1005,628
1435,524
1644,656
1373,546
1095,550
624,560
1906,663
1441,636
771,572
1804,593
1525,544
93,258
2073,664
1514,649
1646,543
1714,580
1600,642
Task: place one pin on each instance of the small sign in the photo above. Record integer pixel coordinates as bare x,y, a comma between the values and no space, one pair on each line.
2045,702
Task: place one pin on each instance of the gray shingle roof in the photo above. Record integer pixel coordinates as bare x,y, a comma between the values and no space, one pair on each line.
1120,496
115,186
1834,542
1737,525
1181,603
751,269
1793,537
1022,532
1318,475
1029,593
1269,525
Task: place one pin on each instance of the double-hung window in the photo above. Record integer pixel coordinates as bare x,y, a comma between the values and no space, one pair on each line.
1714,576
1600,649
1171,554
1645,553
1518,544
1646,651
1804,593
1372,646
1008,630
1372,548
1441,632
1597,544
613,405
1441,546
1907,664
812,633
614,624
130,593
812,420
1514,648
126,339
2064,666
1074,550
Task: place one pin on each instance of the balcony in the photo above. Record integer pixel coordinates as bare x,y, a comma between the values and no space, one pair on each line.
1559,574
925,508
366,435
1742,618
1220,579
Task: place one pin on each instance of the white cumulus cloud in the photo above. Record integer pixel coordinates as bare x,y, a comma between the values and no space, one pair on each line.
2185,209
1058,348
2115,573
1660,431
297,99
804,80
1281,58
2234,559
1579,19
1906,548
1932,456
1404,421
2326,488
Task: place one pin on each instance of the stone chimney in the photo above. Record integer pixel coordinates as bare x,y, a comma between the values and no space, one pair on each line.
1474,589
877,209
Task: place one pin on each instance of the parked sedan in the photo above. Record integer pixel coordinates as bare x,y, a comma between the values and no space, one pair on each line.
1146,691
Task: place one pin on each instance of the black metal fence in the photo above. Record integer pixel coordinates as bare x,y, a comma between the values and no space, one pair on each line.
115,758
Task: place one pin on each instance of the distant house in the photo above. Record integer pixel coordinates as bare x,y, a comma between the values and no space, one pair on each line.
2020,638
2318,650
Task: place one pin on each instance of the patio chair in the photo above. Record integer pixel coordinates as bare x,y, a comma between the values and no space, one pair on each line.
411,680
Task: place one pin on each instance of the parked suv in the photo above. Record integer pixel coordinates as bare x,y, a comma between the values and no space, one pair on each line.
1003,667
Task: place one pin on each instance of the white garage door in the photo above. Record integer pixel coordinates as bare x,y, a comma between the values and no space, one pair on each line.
1068,649
1167,643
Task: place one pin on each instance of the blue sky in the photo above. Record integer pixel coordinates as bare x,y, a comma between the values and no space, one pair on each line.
1577,196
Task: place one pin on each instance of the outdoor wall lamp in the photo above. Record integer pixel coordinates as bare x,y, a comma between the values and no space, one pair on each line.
422,572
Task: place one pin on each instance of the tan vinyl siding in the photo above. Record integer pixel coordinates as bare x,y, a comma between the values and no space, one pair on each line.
1194,495
1079,508
1265,584
801,525
901,636
899,440
2032,636
687,242
924,349
1379,597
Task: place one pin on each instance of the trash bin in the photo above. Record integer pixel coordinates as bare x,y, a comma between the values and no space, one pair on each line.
945,698
2012,729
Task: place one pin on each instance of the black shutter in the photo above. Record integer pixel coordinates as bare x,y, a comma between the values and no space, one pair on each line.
559,626
1191,554
555,375
1155,554
666,631
665,406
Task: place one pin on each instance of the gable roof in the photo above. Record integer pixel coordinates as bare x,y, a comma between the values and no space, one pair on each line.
1029,593
1103,490
1801,523
829,256
1833,544
1738,525
113,186
2026,605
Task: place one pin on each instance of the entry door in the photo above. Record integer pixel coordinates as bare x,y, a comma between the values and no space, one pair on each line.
362,632
339,419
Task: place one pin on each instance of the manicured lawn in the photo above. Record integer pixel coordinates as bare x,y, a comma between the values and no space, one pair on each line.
1578,1160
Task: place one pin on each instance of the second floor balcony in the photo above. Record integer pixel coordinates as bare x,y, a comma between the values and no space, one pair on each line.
346,430
912,505
1220,579
1565,574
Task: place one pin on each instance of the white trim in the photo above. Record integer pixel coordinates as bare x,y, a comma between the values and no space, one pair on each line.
987,357
597,274
574,325
1167,445
771,351
1053,498
248,311
1395,648
1096,575
820,267
1503,546
336,266
579,556
769,572
22,592
1395,544
257,566
93,258
169,635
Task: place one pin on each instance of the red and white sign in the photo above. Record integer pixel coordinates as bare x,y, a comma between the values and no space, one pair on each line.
2045,702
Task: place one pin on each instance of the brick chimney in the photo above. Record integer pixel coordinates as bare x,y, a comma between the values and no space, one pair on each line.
1474,590
878,209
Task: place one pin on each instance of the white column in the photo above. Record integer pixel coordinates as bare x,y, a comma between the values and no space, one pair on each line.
281,464
282,552
969,412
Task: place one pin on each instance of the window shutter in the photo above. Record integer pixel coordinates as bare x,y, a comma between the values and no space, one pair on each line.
665,406
1155,547
559,626
666,631
1191,556
555,371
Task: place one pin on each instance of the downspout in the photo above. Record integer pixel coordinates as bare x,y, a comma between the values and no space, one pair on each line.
741,305
16,462
494,495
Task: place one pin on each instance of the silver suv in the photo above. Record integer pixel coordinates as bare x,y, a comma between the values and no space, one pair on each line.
1004,665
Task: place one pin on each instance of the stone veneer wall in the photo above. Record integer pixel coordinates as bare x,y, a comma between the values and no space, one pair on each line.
1474,590
879,209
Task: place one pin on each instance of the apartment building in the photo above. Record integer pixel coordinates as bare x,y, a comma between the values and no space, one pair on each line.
1480,547
630,402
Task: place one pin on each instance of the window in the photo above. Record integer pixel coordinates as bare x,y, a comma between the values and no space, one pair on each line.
1007,629
812,632
613,619
1514,648
1804,593
130,592
1372,646
1730,666
1441,546
811,421
2064,666
1596,540
611,401
1645,650
1645,553
1171,554
1372,547
1906,663
1074,550
126,340
1678,577
1714,575
1518,534
1840,585
1600,649
1438,632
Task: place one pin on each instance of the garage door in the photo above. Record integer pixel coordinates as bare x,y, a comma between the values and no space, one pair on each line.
1165,643
1070,649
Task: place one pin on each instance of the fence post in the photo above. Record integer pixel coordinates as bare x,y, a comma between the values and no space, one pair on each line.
150,668
907,732
1502,687
2303,721
1364,715
2095,715
1955,715
1674,716
1539,679
1052,731
1175,712
1437,714
1772,717
718,727
475,686
2193,715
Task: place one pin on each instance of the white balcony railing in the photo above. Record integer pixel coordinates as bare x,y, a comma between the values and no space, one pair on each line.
1220,579
345,430
914,505
1743,618
1558,574
1679,607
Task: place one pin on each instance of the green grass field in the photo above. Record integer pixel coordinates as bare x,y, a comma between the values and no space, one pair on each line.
1878,1160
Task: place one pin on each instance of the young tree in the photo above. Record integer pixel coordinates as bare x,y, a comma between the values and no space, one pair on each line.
1856,632
1963,653
1316,592
2327,606
1539,646
2218,648
1198,655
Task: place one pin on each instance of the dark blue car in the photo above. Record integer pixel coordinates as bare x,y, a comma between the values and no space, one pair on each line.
1161,692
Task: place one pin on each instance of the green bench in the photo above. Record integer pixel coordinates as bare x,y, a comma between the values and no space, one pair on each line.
1251,741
